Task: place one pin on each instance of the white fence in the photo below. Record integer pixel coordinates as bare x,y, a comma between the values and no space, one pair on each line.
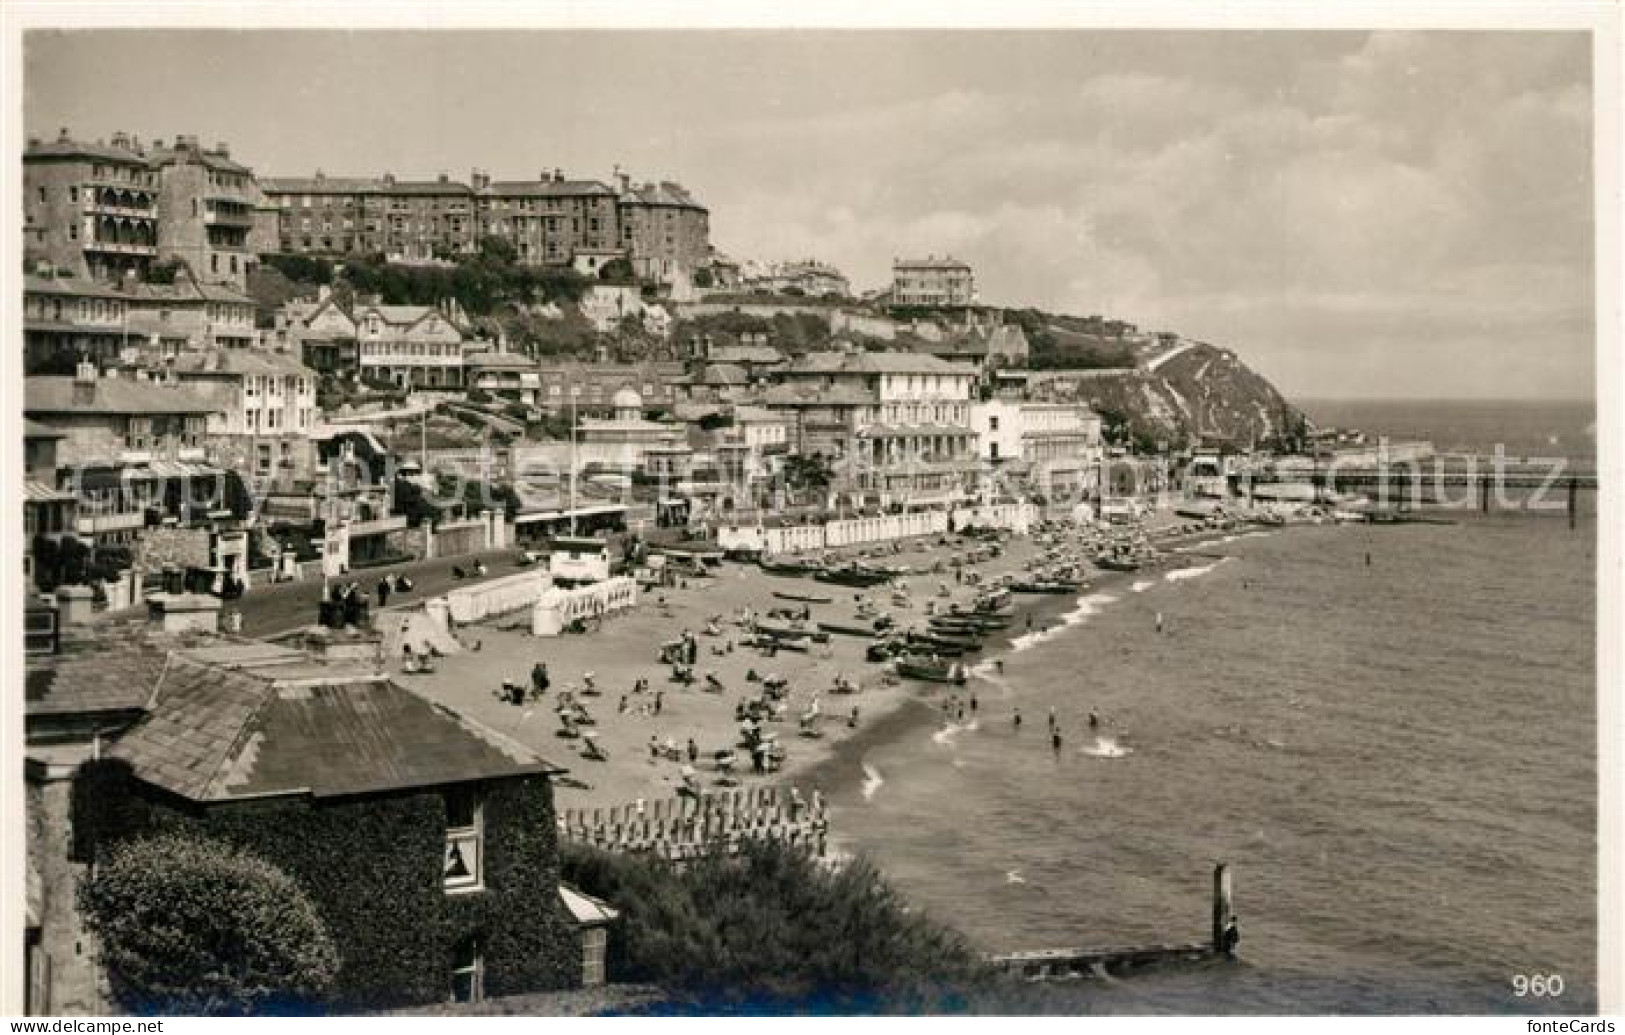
499,596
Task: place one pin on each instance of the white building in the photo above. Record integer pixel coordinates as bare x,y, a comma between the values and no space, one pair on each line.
1054,447
933,282
409,346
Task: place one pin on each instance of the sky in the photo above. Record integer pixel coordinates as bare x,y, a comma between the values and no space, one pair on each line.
1392,214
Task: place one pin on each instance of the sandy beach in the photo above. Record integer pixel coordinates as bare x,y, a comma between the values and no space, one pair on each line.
625,649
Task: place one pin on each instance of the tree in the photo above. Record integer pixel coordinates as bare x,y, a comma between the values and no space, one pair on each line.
703,278
190,926
807,472
617,270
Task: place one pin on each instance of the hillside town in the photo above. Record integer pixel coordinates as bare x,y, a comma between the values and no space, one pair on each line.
326,474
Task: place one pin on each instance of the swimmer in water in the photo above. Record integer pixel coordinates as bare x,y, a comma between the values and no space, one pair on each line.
1055,741
1052,720
1159,621
1094,720
1015,720
998,665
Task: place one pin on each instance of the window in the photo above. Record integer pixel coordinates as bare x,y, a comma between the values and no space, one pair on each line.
467,971
42,193
594,942
463,840
993,424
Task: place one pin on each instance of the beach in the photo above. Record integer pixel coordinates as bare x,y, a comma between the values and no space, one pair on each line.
625,648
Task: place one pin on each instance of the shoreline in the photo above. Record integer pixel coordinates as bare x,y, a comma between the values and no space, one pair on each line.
624,651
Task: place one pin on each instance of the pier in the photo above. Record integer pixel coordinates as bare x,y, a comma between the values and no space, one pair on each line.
1069,964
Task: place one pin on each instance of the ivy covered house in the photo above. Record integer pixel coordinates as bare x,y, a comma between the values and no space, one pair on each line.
426,841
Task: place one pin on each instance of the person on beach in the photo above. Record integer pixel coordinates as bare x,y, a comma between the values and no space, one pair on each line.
1055,741
621,708
654,747
1231,938
383,590
1159,621
539,678
998,665
693,751
660,701
973,703
1094,720
852,723
1029,622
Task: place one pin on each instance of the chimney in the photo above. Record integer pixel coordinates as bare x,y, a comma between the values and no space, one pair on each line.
222,149
558,175
623,180
478,180
389,179
62,135
121,140
157,143
445,177
324,292
34,142
84,383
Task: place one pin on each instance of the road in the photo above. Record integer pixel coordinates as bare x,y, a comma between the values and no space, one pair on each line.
270,609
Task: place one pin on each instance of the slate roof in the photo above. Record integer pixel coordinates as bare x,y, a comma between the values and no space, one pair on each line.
662,193
813,395
113,395
208,159
78,149
100,681
872,363
238,361
217,734
946,263
189,291
69,286
544,189
500,360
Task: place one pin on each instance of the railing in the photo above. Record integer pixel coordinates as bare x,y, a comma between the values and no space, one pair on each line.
244,219
120,248
96,524
103,209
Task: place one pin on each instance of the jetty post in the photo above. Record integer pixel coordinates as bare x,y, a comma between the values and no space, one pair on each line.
1574,501
1221,904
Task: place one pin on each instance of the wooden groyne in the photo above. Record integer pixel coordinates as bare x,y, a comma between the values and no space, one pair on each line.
1064,964
678,829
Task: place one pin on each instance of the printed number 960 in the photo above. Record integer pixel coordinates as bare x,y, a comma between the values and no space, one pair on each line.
1549,985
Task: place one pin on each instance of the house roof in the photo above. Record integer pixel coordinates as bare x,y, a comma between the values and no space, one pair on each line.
499,361
760,354
51,149
34,429
662,193
69,286
100,681
189,291
214,733
544,189
585,909
113,395
237,361
811,395
871,363
39,492
208,159
724,374
944,263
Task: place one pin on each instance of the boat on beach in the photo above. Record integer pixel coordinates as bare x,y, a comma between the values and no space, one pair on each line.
803,598
790,632
931,670
791,568
849,629
1053,586
856,575
943,643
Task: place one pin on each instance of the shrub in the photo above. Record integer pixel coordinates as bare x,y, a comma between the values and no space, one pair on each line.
189,926
773,930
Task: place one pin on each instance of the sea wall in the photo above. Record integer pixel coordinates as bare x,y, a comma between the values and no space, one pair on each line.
683,828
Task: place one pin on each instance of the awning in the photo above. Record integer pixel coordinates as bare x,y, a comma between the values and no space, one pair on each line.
915,431
39,492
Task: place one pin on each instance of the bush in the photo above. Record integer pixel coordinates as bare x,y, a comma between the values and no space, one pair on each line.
188,926
772,930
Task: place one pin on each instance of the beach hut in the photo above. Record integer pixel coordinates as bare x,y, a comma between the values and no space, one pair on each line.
592,918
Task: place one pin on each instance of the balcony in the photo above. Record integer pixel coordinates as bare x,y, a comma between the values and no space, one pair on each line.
122,211
121,248
237,219
103,524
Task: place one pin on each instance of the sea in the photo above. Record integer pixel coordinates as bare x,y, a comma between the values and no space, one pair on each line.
1387,732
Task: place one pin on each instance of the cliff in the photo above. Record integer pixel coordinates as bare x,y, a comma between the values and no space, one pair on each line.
1185,394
